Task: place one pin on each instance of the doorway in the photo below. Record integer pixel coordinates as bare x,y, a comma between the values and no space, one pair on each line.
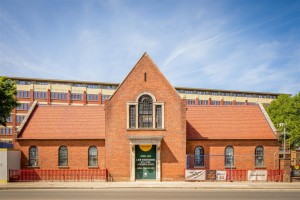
145,161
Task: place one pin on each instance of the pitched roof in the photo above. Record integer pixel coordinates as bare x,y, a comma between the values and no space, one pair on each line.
64,122
145,57
227,122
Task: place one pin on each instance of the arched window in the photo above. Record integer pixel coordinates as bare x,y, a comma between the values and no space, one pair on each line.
199,156
145,111
229,156
63,156
93,156
33,156
259,156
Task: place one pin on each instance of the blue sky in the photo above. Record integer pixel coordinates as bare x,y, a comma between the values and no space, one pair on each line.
220,44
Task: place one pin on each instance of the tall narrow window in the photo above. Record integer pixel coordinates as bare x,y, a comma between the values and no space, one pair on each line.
229,156
145,112
33,156
93,156
259,156
158,116
199,156
63,156
132,116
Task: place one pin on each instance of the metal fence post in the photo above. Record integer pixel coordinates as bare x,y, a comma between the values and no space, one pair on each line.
231,168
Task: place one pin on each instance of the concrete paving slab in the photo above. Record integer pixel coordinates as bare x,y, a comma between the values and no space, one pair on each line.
116,185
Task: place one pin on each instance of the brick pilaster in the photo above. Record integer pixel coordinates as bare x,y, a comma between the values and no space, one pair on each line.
48,97
99,98
14,120
222,102
69,97
234,102
284,165
31,96
84,98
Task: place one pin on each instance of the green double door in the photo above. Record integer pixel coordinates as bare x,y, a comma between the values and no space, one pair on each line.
145,161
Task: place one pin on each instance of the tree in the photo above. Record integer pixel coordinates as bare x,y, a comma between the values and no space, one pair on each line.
286,109
8,101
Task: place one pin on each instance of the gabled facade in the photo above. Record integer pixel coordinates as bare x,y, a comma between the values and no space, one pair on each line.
145,132
145,86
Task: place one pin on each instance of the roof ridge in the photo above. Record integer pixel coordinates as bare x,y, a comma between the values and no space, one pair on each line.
268,119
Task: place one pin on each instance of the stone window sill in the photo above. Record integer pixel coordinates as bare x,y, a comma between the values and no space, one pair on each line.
228,167
33,167
93,167
260,167
146,129
199,167
63,167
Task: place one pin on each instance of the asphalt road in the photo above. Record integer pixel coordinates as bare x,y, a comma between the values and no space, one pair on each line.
147,194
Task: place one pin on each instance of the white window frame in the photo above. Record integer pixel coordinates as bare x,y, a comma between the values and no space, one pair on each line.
155,103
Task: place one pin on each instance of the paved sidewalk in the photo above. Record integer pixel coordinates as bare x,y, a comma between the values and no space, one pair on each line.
117,185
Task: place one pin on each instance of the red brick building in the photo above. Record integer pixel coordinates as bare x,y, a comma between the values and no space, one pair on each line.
145,131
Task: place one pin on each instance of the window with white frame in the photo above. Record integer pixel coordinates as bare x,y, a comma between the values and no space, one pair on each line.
5,131
23,106
145,113
40,95
199,156
229,156
33,156
59,95
9,119
63,156
92,97
23,94
76,96
259,156
20,118
93,156
191,102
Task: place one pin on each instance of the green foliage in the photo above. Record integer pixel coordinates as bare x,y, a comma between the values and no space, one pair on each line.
8,101
286,109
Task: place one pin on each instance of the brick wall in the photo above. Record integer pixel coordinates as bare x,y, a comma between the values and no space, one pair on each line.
48,153
244,151
174,142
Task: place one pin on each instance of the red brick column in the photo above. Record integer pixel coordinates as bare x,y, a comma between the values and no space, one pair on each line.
31,96
69,97
14,120
99,98
285,165
84,97
222,102
197,101
234,102
209,101
48,97
246,102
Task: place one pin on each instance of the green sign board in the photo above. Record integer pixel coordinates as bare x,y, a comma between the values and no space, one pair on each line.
145,161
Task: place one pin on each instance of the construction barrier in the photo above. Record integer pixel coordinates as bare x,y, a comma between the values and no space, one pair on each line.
198,170
236,175
62,175
233,175
275,175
